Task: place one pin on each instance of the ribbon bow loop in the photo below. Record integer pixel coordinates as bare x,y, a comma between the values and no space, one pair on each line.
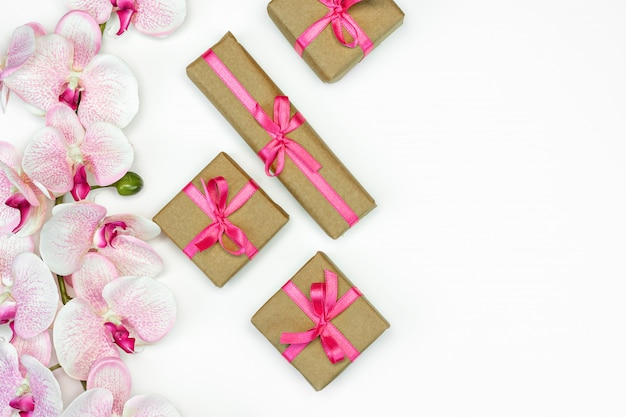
322,307
214,203
339,19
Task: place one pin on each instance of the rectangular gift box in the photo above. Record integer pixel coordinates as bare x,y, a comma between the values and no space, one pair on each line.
358,322
329,193
326,56
185,220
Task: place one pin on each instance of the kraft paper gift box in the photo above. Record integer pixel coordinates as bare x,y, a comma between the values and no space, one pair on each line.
293,315
192,219
306,24
273,128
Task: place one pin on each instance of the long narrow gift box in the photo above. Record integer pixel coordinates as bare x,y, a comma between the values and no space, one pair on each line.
319,321
221,219
291,150
332,36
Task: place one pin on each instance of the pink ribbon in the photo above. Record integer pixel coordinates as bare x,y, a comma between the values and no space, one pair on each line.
214,204
339,19
321,308
280,145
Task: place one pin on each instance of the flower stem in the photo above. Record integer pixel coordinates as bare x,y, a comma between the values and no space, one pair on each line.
58,200
64,297
55,367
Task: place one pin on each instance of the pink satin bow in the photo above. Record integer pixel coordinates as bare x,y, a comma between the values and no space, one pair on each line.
321,308
126,10
339,19
214,204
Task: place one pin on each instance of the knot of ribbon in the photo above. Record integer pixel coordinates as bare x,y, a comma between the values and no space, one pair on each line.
321,308
125,11
339,19
273,154
214,203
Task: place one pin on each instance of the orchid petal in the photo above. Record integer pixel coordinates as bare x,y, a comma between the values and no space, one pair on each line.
111,92
95,402
147,305
11,246
138,226
149,406
159,17
133,256
64,118
107,152
83,31
11,376
35,292
67,236
45,160
41,79
96,272
99,9
21,46
44,387
39,347
80,338
10,156
113,375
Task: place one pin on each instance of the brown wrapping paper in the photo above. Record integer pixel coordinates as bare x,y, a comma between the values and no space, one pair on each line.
360,323
259,218
326,56
263,90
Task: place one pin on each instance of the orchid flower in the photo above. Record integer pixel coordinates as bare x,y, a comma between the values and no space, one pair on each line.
66,66
150,17
22,204
136,309
21,47
76,229
60,154
35,393
113,375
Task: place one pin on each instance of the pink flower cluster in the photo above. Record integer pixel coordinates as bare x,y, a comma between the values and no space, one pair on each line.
76,282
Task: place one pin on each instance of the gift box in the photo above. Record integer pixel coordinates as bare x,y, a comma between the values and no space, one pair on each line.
332,36
287,144
221,219
319,321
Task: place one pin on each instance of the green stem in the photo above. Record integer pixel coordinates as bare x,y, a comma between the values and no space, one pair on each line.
84,384
64,297
58,200
55,367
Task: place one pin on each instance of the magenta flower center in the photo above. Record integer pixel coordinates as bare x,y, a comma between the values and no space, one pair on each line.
121,337
108,232
17,201
125,11
25,404
7,311
81,186
71,97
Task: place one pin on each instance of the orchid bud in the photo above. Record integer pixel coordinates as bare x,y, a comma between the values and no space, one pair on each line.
130,184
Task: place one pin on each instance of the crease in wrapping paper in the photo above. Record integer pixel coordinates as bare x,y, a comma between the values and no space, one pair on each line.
360,323
325,55
181,220
263,90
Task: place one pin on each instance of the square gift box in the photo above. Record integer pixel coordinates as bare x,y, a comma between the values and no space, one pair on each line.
308,25
319,321
221,219
286,143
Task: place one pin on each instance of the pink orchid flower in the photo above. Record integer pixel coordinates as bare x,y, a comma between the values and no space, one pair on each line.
66,66
113,375
23,206
138,309
76,229
150,17
35,393
59,155
30,297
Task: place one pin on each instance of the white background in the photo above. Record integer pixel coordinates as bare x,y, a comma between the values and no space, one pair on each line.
492,136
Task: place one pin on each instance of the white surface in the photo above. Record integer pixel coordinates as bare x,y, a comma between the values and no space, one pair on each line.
491,134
